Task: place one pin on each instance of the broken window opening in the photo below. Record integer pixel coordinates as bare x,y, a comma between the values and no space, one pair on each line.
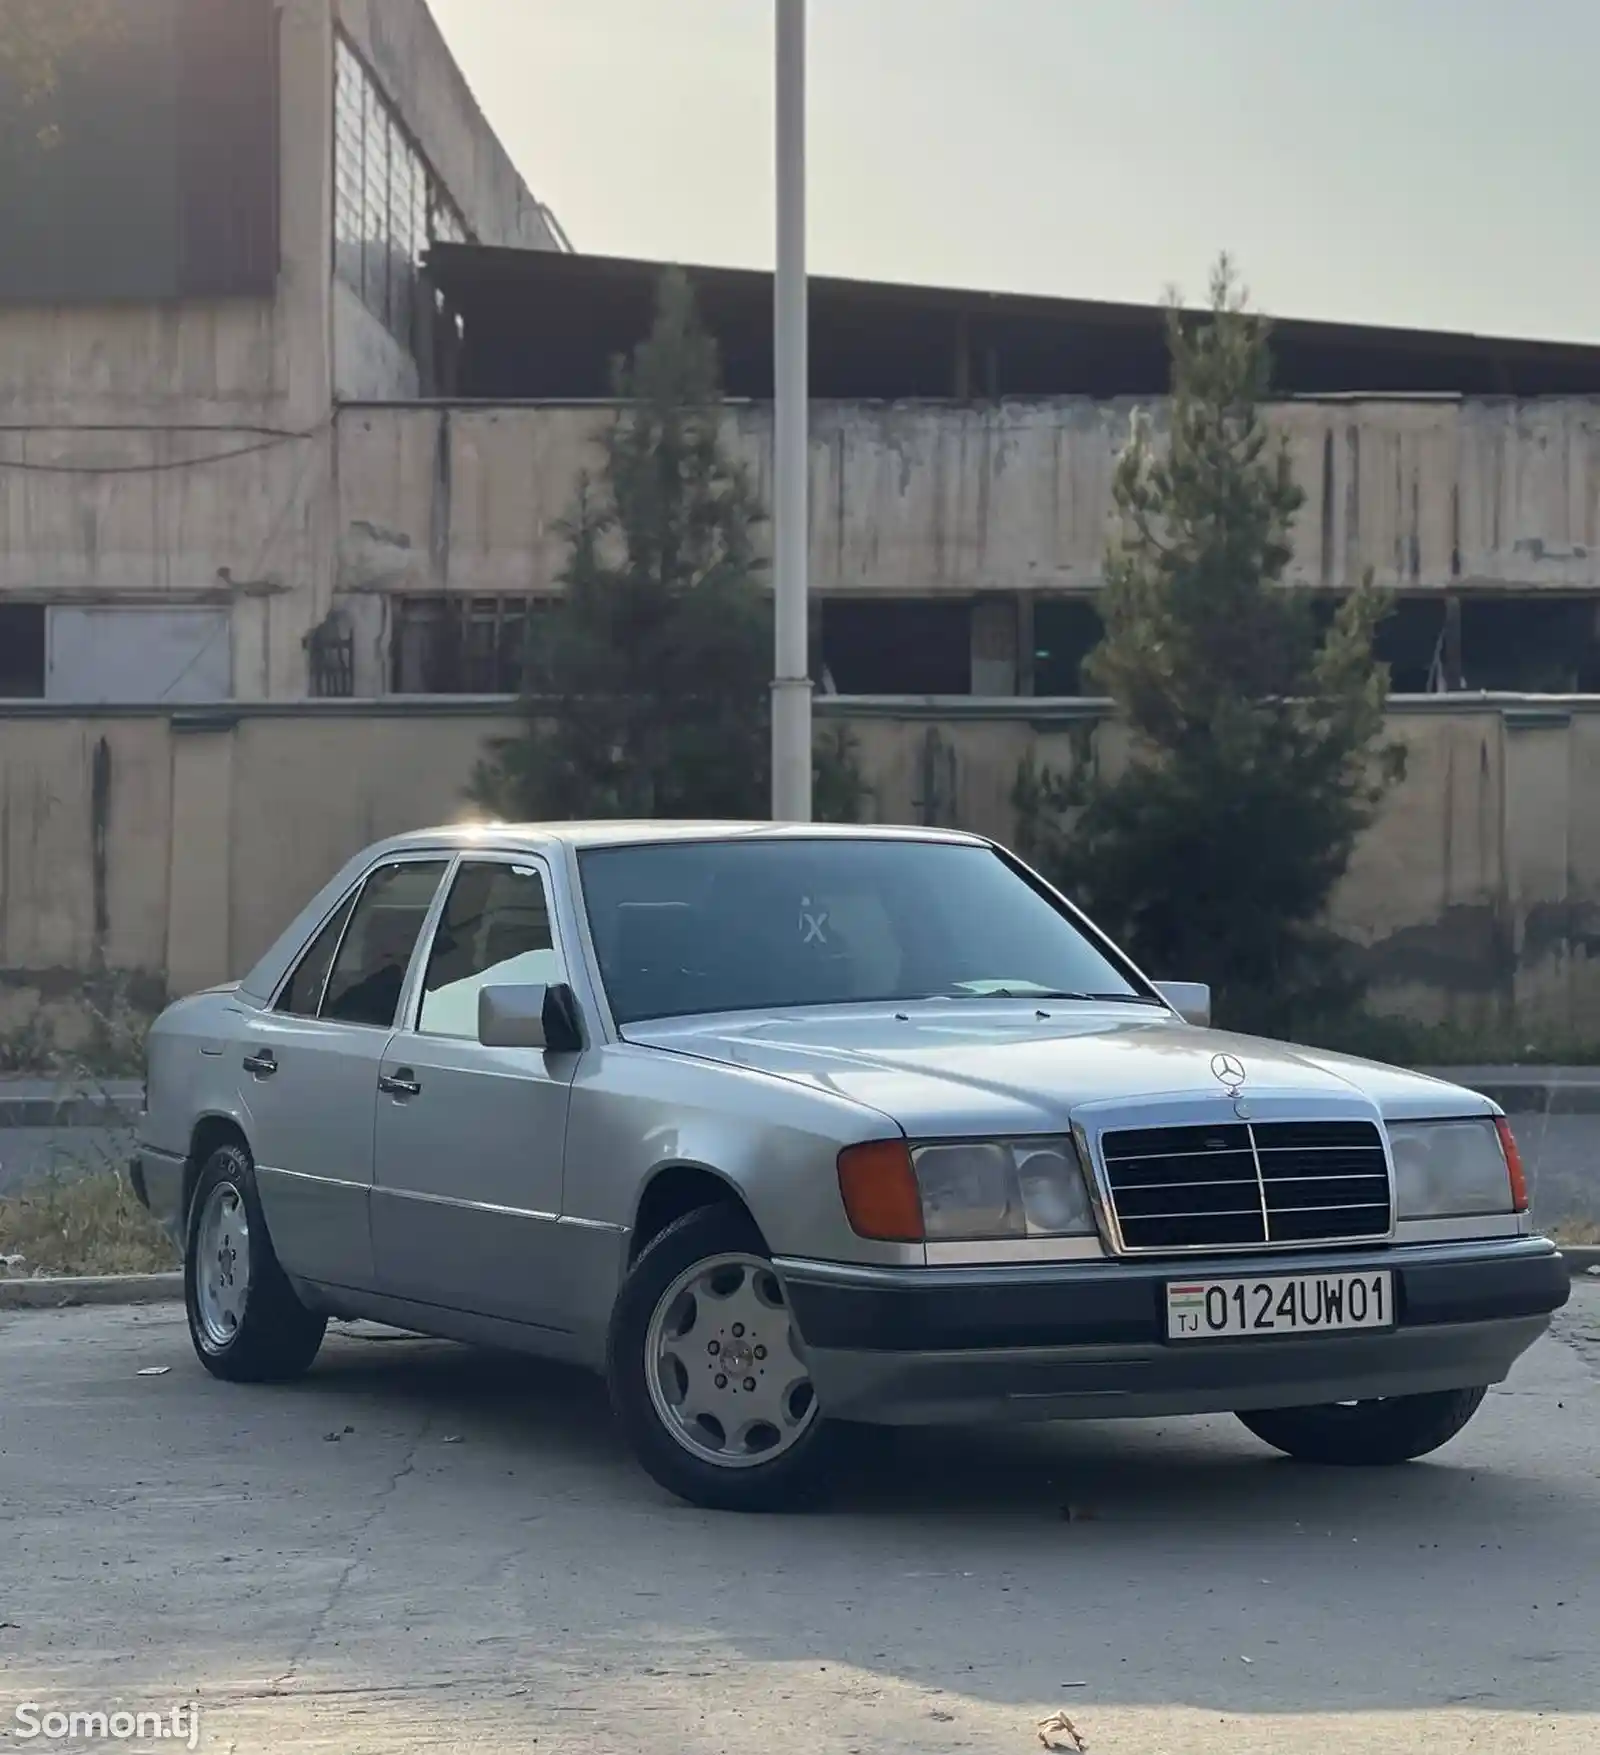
462,645
22,651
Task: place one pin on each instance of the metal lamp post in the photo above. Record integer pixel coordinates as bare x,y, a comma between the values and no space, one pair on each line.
791,682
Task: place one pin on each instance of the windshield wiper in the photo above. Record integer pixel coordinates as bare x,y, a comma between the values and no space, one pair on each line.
1044,993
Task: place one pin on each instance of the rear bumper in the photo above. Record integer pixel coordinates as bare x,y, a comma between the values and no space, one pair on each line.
913,1346
156,1178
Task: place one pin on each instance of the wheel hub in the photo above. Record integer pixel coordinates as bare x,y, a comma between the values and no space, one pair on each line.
725,1372
222,1264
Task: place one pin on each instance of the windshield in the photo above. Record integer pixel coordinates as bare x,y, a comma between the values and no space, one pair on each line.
691,927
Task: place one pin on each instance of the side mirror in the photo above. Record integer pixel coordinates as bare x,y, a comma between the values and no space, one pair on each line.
1191,1000
530,1016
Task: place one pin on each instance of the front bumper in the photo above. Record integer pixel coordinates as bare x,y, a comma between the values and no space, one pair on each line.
1087,1340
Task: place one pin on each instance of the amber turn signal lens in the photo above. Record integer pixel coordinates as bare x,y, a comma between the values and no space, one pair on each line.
880,1192
1519,1180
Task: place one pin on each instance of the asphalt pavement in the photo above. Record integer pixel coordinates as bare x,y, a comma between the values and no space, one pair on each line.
419,1547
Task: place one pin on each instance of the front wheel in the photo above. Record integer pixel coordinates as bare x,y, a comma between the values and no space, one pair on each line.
1367,1434
707,1375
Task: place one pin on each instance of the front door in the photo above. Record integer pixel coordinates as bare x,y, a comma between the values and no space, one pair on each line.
308,1073
469,1142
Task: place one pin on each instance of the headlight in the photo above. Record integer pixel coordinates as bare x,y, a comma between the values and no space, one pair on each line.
1453,1169
972,1189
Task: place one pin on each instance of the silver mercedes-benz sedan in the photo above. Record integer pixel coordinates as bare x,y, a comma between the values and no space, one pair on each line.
784,1129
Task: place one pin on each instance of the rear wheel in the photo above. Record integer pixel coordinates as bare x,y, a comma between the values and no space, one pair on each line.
707,1375
246,1323
1367,1434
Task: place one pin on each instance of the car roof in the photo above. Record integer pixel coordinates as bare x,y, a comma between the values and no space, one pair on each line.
270,970
654,833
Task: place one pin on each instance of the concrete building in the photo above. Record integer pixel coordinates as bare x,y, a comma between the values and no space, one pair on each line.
298,376
297,379
215,226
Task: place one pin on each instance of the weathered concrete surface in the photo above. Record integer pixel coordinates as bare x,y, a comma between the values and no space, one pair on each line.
475,1564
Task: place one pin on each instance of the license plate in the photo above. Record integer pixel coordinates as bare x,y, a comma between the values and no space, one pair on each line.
1298,1304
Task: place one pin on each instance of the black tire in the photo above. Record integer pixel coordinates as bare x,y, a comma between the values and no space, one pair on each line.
276,1337
1367,1434
792,1480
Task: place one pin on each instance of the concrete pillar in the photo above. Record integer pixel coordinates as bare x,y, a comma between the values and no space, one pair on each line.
200,891
994,646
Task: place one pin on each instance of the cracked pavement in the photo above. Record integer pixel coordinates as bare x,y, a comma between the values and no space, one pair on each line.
477,1564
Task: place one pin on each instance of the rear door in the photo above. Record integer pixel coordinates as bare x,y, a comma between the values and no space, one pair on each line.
467,1192
309,1072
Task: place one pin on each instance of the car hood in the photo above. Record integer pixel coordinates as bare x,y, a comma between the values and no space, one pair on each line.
982,1067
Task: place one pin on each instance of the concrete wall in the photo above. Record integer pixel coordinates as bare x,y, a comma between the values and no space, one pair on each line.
925,498
914,499
174,846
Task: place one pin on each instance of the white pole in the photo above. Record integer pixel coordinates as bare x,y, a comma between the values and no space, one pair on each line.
791,684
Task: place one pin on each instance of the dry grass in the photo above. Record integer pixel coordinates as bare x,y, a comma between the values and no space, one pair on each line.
1578,1231
89,1224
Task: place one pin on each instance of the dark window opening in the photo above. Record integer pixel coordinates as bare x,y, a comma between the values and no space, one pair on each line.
1065,631
22,648
462,645
1533,646
1508,645
897,646
1411,640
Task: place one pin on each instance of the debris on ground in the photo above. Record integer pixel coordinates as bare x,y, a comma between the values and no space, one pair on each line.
454,1438
1059,1732
153,1370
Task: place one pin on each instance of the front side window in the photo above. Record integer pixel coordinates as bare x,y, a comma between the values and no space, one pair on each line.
495,930
370,970
696,927
302,992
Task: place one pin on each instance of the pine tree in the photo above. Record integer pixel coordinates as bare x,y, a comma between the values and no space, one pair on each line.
1255,719
648,683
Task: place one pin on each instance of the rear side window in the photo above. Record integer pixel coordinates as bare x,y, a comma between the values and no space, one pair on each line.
495,928
370,969
302,993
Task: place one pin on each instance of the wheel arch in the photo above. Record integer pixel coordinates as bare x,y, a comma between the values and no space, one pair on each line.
674,1190
214,1128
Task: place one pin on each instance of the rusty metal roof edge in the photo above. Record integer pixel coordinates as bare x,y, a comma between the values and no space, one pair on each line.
506,264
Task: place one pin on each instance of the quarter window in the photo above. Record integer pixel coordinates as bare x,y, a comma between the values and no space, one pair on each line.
495,929
370,969
302,993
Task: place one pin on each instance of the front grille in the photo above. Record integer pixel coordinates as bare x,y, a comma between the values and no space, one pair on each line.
1247,1184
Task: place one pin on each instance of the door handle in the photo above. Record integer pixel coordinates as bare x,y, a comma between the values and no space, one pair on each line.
402,1082
263,1064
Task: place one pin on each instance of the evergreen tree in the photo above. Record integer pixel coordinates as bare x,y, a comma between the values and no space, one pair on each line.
1256,720
648,683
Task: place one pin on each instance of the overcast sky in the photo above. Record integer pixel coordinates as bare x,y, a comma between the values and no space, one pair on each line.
1425,162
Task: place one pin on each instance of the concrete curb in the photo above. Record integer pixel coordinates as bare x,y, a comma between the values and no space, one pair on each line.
1581,1259
65,1291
